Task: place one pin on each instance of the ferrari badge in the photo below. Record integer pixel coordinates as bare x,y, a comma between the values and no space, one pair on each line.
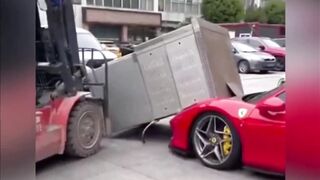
242,112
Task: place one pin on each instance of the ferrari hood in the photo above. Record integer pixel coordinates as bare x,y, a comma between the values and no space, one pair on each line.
234,107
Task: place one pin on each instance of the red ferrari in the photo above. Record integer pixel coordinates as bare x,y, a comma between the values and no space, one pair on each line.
226,133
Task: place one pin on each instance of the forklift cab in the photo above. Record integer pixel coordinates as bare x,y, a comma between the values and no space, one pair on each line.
69,119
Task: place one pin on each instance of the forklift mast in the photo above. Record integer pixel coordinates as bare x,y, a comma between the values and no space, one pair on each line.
59,70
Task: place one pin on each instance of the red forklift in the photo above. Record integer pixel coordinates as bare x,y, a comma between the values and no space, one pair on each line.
69,119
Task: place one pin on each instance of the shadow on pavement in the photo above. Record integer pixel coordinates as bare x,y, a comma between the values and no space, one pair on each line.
157,132
53,162
265,176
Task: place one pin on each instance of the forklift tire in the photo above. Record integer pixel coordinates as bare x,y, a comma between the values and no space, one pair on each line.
84,131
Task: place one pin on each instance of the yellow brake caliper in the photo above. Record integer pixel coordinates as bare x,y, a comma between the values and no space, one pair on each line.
227,144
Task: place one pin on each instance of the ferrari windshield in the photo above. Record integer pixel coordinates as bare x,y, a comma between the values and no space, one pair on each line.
256,97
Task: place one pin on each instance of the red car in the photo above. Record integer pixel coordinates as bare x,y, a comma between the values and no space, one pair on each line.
225,133
269,46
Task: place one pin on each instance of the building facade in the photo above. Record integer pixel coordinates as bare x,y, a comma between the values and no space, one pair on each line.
133,20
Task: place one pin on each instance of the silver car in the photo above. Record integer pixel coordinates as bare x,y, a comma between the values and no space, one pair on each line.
249,59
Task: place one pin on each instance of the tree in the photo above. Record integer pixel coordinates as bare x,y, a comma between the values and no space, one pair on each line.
220,11
255,15
275,11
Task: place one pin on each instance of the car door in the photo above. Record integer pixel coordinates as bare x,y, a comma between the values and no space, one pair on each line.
264,139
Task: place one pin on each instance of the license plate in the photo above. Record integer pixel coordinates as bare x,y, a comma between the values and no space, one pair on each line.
270,65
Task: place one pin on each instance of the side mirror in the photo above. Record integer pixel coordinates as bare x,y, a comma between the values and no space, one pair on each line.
272,104
262,48
234,51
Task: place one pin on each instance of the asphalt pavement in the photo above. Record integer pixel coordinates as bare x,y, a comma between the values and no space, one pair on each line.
126,158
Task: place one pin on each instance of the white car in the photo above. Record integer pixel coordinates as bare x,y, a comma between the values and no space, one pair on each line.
90,48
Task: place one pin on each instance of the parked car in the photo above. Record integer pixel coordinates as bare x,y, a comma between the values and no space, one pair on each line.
249,59
280,41
91,49
267,45
225,133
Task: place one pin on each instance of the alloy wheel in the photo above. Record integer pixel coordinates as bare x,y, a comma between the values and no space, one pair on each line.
213,140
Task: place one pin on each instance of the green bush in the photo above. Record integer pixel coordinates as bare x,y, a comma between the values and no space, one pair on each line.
275,11
223,11
255,15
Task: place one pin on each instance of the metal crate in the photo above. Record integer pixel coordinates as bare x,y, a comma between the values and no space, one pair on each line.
168,73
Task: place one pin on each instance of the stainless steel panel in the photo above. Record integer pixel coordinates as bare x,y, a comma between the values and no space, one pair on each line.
129,103
215,48
159,81
187,70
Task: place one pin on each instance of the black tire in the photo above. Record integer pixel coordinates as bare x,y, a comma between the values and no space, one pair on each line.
243,67
74,146
280,65
233,161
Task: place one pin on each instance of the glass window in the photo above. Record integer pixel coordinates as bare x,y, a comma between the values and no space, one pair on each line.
246,41
108,3
178,6
189,8
181,7
174,7
150,5
271,43
243,47
126,3
98,2
86,40
195,9
167,6
143,4
76,1
116,3
135,4
90,2
161,5
254,43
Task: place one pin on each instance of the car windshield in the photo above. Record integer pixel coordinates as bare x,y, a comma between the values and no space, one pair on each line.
243,47
86,40
271,43
256,97
281,42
